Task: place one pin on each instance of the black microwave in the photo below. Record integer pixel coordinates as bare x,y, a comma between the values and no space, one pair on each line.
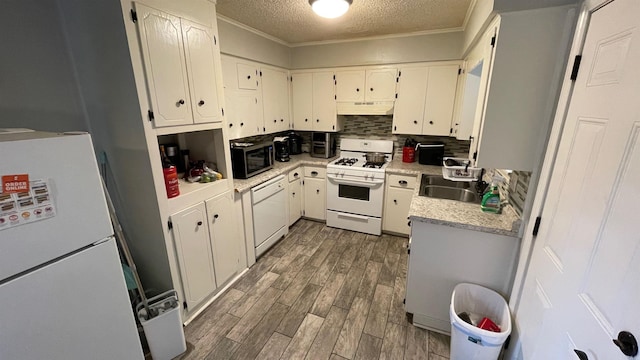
248,160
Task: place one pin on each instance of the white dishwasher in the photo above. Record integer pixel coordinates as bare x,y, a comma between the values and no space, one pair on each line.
270,215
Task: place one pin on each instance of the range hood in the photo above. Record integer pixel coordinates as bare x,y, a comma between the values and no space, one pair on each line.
365,108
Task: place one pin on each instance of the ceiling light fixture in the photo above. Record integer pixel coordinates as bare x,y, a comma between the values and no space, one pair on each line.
330,8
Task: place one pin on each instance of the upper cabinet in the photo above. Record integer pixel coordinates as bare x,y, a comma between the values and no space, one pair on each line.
314,101
256,96
180,69
514,105
366,85
426,99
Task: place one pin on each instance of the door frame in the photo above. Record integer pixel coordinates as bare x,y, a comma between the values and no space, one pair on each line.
587,7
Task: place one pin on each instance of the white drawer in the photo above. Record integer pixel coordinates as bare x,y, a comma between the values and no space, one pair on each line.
402,181
295,174
315,172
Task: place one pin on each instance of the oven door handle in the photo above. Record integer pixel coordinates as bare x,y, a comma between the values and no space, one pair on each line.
353,216
370,184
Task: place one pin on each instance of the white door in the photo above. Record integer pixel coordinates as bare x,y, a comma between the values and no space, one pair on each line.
271,98
164,62
582,286
324,102
396,210
350,85
247,76
409,109
302,95
283,110
199,42
194,254
225,241
295,201
315,199
381,85
441,96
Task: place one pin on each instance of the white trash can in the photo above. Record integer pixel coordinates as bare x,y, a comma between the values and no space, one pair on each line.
164,332
469,342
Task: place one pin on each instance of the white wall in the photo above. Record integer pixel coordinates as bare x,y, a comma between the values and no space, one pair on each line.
37,85
240,42
432,47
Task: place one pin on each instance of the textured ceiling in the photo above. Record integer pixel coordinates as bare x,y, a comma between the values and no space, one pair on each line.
294,22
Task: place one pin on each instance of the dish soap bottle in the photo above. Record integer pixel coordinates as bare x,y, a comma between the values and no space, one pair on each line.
491,199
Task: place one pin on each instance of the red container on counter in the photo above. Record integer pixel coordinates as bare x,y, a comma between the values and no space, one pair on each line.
171,181
408,154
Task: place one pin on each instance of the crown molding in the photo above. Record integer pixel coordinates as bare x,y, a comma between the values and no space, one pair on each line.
378,37
252,30
472,7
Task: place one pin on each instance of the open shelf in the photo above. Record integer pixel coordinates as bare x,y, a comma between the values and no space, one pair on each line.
192,193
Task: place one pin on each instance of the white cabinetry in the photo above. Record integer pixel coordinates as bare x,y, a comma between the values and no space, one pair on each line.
314,103
223,232
315,194
398,194
257,98
195,258
295,195
368,85
426,98
515,104
179,61
442,257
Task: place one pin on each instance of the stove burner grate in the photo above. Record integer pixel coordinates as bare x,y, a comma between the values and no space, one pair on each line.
346,161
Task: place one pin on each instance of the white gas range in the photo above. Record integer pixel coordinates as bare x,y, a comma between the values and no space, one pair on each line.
355,188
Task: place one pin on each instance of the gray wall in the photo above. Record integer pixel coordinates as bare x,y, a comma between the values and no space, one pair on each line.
37,85
434,47
237,41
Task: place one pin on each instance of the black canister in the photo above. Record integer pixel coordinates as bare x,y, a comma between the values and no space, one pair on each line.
295,143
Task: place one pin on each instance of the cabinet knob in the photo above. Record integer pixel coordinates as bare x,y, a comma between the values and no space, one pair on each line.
295,174
357,90
402,182
415,121
199,223
274,120
293,194
281,120
371,89
201,102
241,124
314,173
431,122
581,354
395,201
249,77
317,120
180,102
306,120
230,125
215,216
318,191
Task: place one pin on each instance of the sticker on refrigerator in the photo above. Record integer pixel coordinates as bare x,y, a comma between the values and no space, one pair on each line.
24,203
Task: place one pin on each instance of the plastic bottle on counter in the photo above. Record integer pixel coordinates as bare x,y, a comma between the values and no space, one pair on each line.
170,175
491,199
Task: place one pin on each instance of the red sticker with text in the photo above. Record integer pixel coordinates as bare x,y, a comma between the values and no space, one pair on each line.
15,183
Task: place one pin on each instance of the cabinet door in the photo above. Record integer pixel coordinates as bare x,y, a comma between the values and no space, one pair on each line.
194,254
165,67
200,46
409,109
223,232
396,210
441,96
350,85
381,85
302,95
315,199
324,102
295,201
243,113
275,96
247,75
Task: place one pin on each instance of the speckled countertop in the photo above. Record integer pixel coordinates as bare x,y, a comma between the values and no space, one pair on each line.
453,213
242,185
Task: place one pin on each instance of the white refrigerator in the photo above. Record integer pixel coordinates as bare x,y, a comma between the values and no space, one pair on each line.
62,290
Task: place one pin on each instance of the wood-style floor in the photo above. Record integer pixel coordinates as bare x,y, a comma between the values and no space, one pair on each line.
320,293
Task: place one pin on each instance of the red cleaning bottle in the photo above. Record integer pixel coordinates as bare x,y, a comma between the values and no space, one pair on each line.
170,175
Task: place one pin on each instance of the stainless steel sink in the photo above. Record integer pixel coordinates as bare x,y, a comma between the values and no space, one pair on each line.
436,186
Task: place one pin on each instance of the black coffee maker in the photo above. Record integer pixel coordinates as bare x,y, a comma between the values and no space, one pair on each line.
281,145
295,143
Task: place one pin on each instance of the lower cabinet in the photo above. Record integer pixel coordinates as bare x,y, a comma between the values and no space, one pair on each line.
315,194
208,247
295,201
398,194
